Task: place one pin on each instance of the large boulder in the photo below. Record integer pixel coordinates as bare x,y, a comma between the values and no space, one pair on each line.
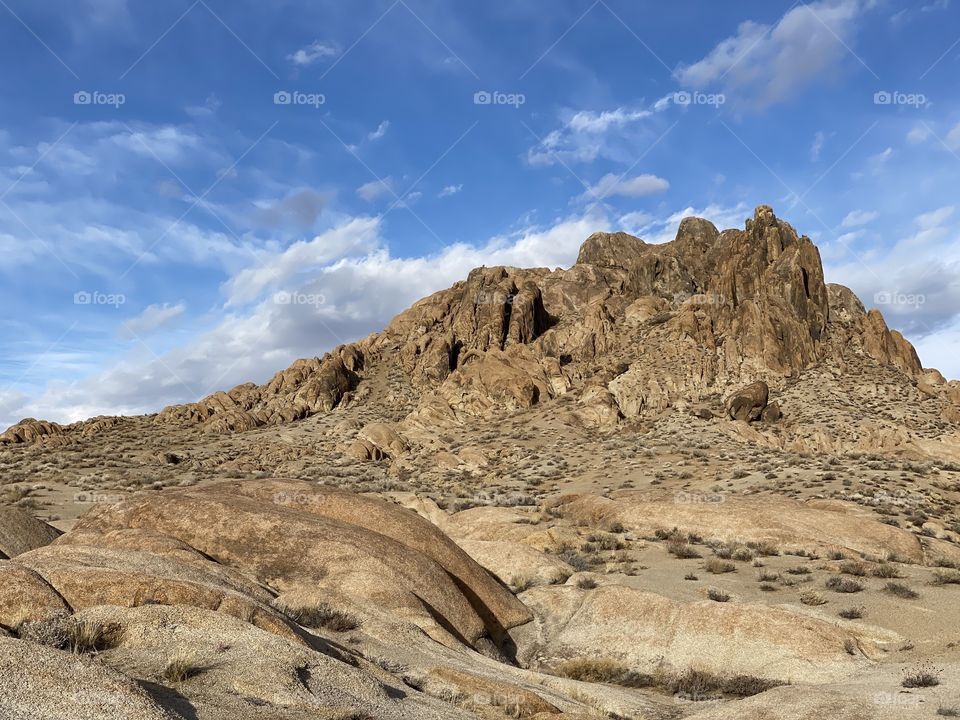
646,631
384,438
20,532
30,430
292,536
748,403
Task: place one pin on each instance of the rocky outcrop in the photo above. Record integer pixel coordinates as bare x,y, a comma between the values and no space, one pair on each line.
748,404
305,388
633,330
290,536
30,430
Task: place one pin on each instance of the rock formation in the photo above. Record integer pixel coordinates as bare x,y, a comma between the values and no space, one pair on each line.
632,330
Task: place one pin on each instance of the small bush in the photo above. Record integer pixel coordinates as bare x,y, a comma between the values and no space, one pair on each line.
519,583
854,568
725,552
718,595
603,670
901,591
944,577
766,576
886,571
322,616
945,711
766,549
701,685
77,635
813,599
690,576
799,570
586,583
607,542
719,567
843,585
180,667
853,613
574,559
922,677
682,549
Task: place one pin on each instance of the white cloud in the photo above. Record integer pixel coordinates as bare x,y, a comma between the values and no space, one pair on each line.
379,132
587,135
634,222
879,161
764,65
855,218
169,143
918,135
376,189
635,187
953,138
209,107
921,273
816,146
935,218
592,122
153,317
312,53
450,190
275,270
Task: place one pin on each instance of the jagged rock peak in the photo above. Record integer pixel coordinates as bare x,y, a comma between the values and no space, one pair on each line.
614,249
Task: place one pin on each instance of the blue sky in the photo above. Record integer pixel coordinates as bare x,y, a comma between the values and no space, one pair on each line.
195,193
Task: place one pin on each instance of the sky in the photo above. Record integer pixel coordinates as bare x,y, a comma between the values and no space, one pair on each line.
195,193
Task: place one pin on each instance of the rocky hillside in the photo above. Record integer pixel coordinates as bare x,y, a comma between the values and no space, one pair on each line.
631,330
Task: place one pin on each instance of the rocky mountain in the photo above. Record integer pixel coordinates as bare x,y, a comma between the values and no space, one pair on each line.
675,480
631,330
